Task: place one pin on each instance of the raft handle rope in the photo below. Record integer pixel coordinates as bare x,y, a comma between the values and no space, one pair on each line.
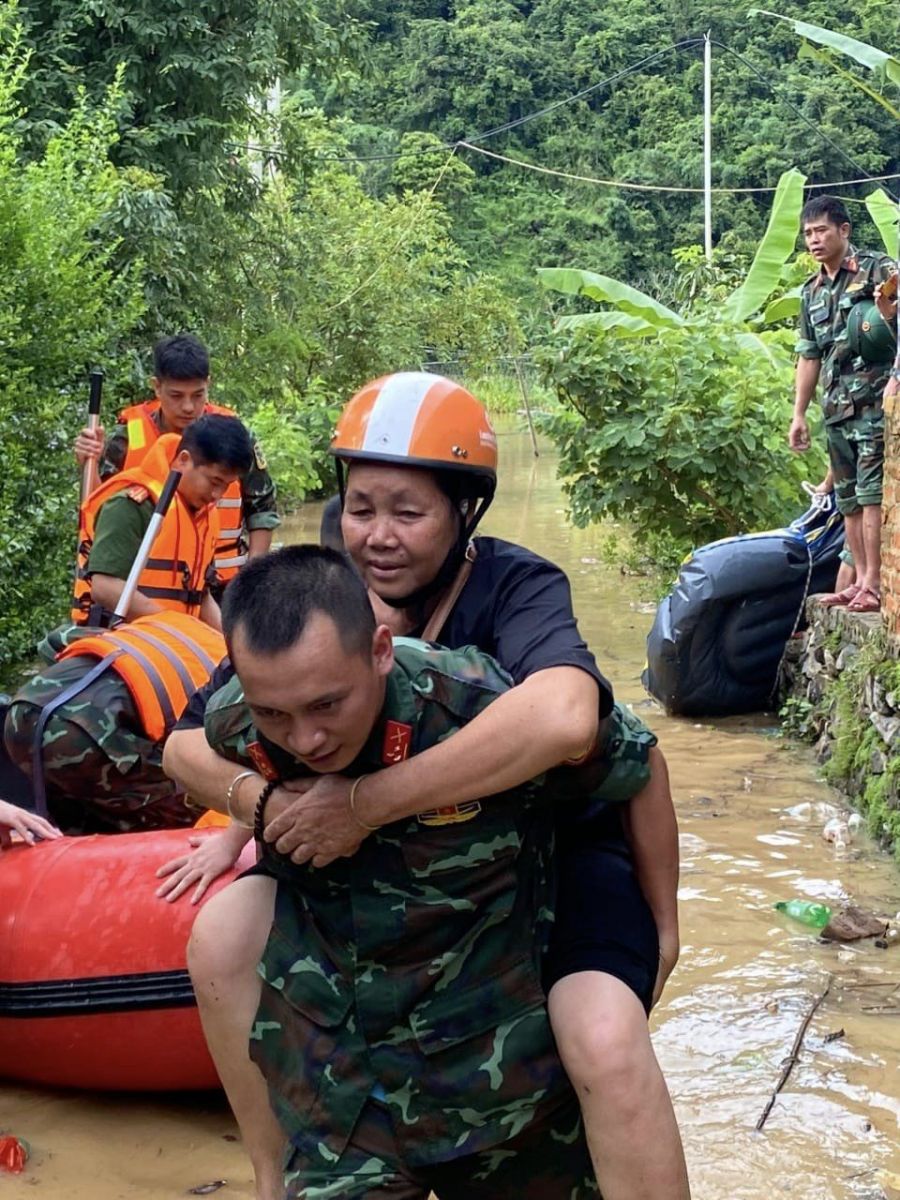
801,608
823,501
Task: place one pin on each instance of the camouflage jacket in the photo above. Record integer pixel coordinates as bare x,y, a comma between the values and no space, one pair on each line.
102,773
848,382
410,972
257,488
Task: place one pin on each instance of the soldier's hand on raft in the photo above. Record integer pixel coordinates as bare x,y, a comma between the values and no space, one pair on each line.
210,858
89,444
798,435
316,827
28,825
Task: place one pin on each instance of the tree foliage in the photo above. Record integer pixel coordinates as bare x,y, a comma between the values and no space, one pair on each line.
303,284
459,70
63,306
681,436
194,76
675,420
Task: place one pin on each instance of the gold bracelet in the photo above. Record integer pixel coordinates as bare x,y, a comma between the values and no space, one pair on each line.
353,813
229,797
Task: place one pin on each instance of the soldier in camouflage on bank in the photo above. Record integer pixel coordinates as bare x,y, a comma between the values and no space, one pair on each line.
403,1029
845,341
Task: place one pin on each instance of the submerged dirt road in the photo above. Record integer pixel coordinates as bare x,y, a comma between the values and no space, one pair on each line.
729,1016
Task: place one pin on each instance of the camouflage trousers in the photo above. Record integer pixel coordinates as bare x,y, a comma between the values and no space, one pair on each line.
856,452
548,1160
101,772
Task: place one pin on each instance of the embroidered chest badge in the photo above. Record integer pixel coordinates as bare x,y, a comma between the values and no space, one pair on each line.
452,814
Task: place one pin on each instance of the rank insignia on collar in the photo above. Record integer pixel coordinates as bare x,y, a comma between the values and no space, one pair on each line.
260,759
397,739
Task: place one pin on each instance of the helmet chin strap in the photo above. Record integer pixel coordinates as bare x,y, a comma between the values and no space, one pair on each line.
446,572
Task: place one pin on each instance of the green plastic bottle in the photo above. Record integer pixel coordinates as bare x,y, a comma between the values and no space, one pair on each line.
807,912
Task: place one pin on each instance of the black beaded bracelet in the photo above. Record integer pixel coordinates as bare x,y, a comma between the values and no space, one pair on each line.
259,816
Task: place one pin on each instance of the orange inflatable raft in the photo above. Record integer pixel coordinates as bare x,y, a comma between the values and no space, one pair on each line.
94,990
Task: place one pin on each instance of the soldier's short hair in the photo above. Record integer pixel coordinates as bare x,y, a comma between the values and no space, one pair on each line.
182,356
273,597
215,439
830,207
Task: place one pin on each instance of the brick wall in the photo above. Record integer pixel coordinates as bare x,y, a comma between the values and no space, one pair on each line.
890,515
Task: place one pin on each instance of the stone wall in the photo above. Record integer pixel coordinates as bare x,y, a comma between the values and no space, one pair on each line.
890,533
841,691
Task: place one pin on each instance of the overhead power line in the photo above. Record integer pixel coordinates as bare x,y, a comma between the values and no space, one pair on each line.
654,187
471,142
648,60
794,109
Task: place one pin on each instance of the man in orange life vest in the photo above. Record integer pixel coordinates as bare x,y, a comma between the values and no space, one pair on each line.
213,453
181,386
89,729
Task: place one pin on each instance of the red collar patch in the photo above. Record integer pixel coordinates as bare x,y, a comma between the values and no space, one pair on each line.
261,761
397,740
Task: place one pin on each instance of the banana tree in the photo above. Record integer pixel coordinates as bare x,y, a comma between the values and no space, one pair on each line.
674,422
820,43
632,313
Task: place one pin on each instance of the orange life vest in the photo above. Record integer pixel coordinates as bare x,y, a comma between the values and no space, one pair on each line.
163,658
142,434
175,573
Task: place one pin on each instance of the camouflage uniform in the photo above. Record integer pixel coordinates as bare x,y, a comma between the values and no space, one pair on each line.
403,1028
851,387
101,772
257,488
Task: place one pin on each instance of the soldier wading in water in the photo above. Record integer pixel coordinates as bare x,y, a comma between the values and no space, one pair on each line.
403,1030
420,457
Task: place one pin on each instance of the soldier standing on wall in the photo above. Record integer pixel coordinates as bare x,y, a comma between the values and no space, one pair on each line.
844,339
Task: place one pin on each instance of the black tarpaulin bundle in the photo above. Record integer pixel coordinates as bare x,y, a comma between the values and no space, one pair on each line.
720,634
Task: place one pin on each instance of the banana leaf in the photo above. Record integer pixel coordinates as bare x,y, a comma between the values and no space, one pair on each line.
886,214
625,324
884,65
574,282
783,307
773,251
774,354
827,59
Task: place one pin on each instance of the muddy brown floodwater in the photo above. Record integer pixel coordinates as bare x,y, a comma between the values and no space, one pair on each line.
729,1015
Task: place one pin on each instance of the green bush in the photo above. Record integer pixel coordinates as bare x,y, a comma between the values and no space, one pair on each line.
62,308
682,434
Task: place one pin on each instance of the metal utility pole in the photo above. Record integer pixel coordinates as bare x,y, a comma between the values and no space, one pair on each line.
707,146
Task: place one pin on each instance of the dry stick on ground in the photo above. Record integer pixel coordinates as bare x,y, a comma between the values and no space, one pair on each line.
795,1051
891,983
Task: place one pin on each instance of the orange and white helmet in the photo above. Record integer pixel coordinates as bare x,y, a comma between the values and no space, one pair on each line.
416,419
